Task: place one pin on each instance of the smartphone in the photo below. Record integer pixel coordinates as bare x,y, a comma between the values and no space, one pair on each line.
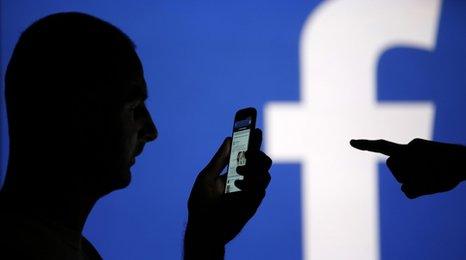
244,124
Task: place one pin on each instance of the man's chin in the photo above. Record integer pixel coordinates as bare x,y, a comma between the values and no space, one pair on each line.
117,181
123,180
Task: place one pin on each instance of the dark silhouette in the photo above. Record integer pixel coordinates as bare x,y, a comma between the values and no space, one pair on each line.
422,167
75,93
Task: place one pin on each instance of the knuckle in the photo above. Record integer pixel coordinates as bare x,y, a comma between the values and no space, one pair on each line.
269,160
416,141
390,162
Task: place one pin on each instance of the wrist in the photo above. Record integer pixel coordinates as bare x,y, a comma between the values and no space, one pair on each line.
201,243
201,228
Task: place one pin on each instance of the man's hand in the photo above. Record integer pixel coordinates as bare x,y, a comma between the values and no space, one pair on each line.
422,167
216,218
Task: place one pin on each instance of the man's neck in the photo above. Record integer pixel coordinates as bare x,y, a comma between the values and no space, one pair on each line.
62,208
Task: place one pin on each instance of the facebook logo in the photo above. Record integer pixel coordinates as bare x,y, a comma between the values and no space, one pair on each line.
319,73
341,45
339,52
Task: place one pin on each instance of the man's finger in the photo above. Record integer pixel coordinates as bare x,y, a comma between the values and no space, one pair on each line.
378,146
258,160
219,161
412,192
256,139
395,166
249,188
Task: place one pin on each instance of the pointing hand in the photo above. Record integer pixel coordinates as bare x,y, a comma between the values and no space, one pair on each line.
421,167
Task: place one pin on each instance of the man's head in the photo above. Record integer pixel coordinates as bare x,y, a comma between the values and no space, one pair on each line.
75,95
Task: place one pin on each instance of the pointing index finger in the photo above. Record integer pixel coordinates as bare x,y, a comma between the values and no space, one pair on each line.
378,146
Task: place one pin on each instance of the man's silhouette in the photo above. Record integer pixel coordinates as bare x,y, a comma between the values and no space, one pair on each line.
422,167
75,94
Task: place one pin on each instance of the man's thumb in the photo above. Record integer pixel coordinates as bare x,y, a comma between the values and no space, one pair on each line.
219,161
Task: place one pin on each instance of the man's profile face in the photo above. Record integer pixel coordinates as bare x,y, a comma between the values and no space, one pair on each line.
123,139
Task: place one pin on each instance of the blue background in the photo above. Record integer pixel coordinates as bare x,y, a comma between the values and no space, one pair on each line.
203,60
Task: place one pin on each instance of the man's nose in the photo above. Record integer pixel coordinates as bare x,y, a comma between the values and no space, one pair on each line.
150,132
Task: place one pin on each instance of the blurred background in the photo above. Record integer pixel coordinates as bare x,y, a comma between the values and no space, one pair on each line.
203,60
